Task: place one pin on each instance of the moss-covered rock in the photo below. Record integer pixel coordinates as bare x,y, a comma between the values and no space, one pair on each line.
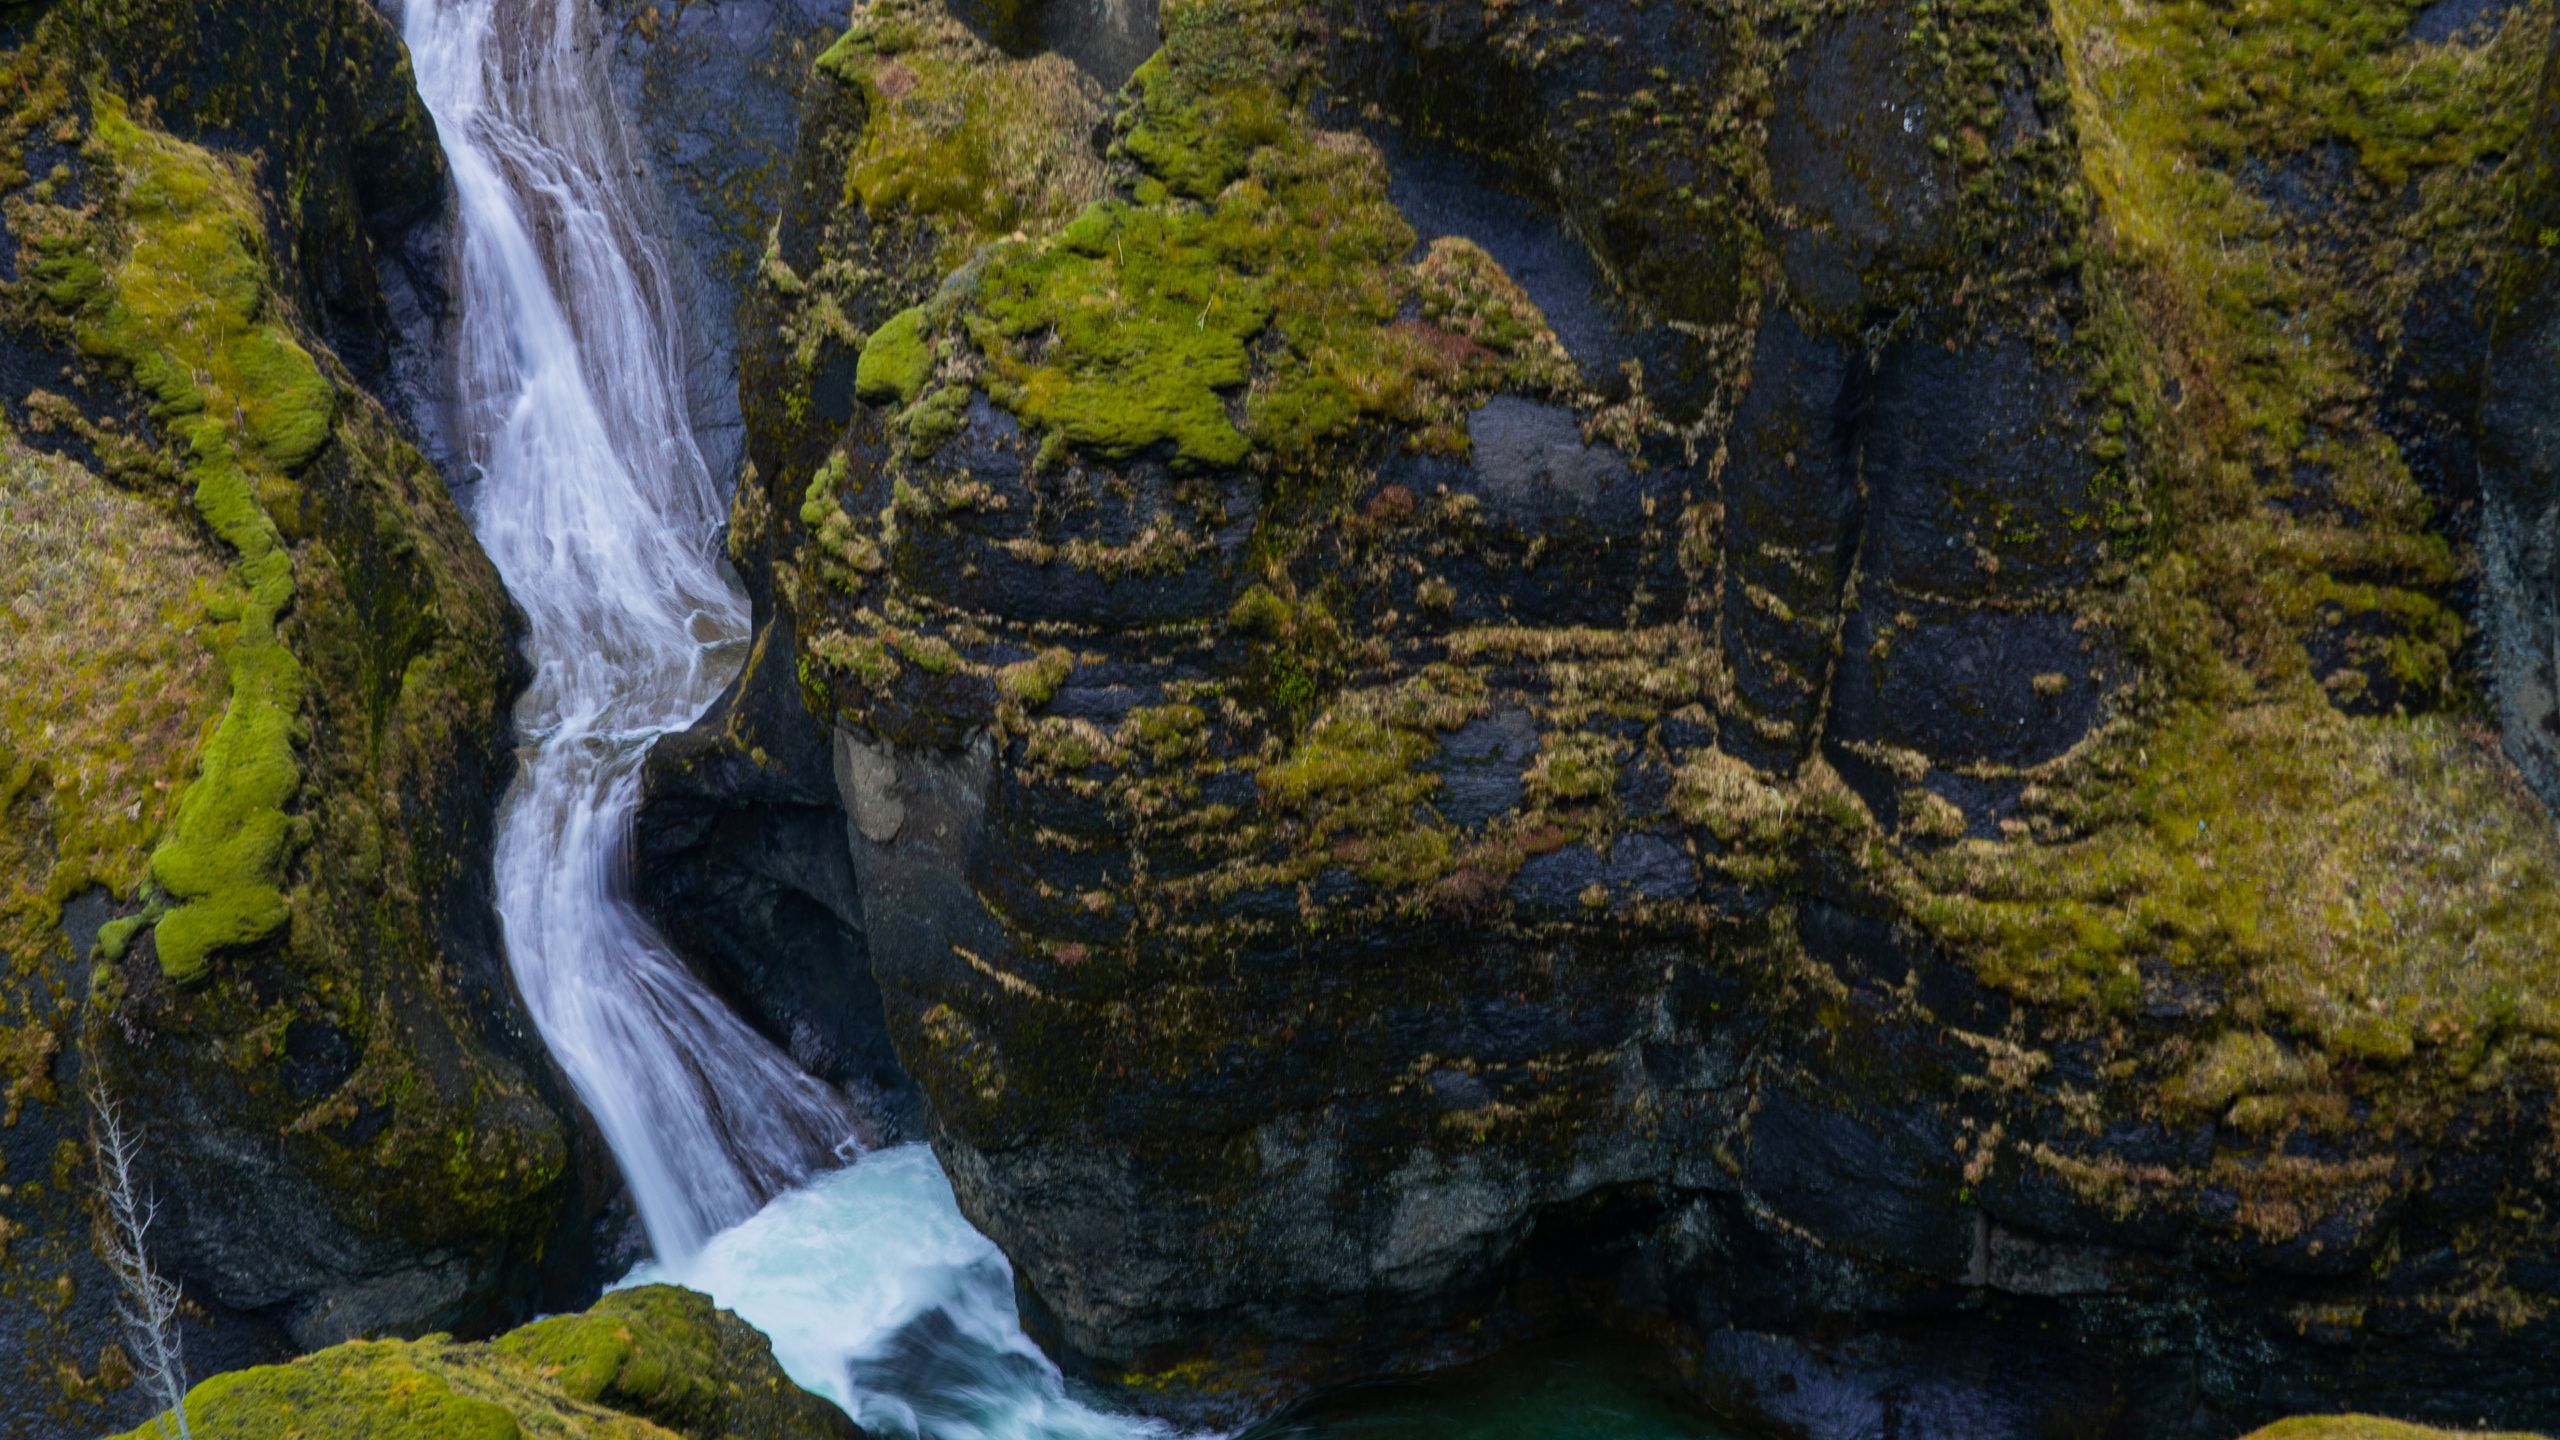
253,903
643,1364
1703,668
343,141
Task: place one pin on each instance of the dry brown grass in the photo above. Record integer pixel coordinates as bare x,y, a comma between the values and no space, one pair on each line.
110,688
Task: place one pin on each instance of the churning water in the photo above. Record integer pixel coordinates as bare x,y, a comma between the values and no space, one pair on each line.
879,1296
592,498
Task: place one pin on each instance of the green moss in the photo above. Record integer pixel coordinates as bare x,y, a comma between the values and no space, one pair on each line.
1354,786
1574,766
651,1350
2285,500
353,1392
113,687
2381,888
1144,324
960,142
186,310
1129,330
845,555
930,653
115,935
2249,1079
867,659
650,1363
1167,734
1346,757
1062,745
2347,905
1216,93
1258,613
1030,683
896,360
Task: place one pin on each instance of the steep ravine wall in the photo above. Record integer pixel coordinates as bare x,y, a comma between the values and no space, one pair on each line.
738,857
256,723
1801,679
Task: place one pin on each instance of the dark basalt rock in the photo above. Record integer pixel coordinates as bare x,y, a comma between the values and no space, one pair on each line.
1491,875
740,858
2520,465
713,90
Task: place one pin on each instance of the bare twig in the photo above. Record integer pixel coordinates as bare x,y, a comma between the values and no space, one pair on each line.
149,1305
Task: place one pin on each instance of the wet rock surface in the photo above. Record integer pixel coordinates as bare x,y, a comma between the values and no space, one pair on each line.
2519,472
713,89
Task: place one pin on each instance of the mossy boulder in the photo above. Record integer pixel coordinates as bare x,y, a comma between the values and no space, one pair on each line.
666,1353
1707,670
643,1364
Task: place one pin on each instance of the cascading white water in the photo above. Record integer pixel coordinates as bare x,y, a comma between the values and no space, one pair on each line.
597,509
595,504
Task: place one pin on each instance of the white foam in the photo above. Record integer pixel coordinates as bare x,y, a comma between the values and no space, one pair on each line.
879,1295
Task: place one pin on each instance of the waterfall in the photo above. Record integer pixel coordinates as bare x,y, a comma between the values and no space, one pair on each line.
596,507
592,498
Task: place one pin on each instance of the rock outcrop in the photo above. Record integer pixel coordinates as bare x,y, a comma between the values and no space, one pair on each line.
1789,678
256,721
646,1364
2520,462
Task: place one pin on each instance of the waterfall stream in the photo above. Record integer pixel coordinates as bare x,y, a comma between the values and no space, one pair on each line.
594,503
592,498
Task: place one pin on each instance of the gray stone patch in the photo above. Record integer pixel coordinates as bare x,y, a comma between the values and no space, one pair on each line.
2029,1265
1459,1090
2470,21
1480,765
1532,462
867,779
1104,705
84,915
1647,866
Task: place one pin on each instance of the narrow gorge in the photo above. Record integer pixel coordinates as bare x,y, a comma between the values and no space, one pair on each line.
1125,719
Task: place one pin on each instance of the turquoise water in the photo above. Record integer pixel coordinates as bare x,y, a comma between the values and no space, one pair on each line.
879,1295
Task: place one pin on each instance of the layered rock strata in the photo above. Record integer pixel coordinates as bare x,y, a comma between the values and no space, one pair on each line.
1794,678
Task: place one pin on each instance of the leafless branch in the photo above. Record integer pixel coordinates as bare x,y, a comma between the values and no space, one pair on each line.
149,1305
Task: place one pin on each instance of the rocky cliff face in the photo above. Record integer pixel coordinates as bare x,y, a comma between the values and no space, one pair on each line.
2518,467
1793,678
254,729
